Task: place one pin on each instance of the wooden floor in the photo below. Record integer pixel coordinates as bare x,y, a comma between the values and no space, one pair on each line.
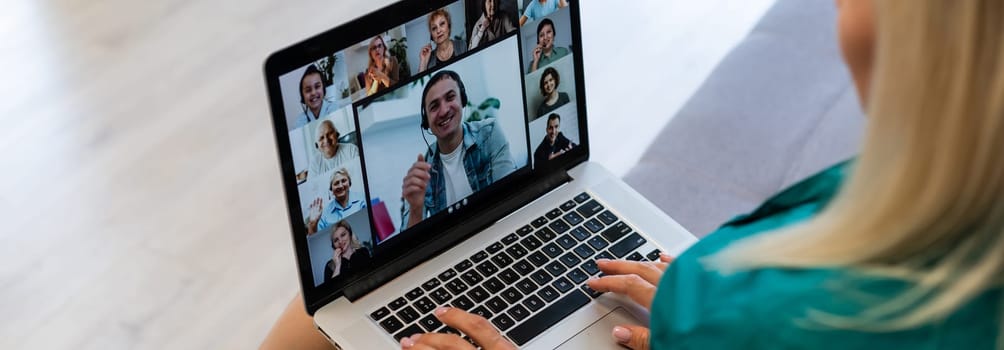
140,203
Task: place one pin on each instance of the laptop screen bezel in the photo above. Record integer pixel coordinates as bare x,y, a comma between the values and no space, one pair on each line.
456,227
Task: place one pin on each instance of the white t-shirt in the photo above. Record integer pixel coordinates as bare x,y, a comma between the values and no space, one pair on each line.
346,153
457,186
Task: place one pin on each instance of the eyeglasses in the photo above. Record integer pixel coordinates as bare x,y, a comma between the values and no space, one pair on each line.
377,47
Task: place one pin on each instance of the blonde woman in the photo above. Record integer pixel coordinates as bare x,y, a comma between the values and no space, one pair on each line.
901,249
349,255
383,69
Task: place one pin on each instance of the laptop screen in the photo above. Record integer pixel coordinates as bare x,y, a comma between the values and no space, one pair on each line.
421,119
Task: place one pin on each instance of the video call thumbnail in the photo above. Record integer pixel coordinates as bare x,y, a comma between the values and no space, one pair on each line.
341,251
452,133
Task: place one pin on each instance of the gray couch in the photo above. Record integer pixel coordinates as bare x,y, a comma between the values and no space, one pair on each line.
780,107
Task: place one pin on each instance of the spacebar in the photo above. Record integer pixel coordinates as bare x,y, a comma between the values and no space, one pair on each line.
548,317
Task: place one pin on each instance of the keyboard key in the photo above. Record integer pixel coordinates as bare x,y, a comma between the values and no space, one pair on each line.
397,303
448,275
518,313
479,257
552,250
616,231
627,245
431,284
553,214
539,222
589,209
654,255
502,260
562,285
523,267
538,259
580,234
424,305
495,248
448,330
569,205
478,294
516,251
545,234
566,242
593,225
380,314
509,276
559,226
607,217
410,331
463,302
533,303
636,256
531,243
548,317
598,243
573,218
510,239
441,296
471,277
548,293
604,255
414,293
487,268
407,314
511,295
525,230
496,304
570,260
503,322
584,251
456,286
590,267
556,268
577,276
526,286
582,197
463,265
391,325
430,323
482,311
589,291
493,285
541,277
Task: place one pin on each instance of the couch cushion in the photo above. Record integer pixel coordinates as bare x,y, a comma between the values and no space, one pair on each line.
779,107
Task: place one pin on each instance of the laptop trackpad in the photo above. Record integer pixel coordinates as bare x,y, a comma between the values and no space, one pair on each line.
598,335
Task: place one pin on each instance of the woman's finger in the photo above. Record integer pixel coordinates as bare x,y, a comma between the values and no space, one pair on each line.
633,286
633,337
646,270
476,327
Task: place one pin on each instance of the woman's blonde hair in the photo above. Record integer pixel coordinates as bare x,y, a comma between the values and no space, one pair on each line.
924,202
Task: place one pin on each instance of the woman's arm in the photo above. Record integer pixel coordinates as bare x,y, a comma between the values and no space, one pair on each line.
295,330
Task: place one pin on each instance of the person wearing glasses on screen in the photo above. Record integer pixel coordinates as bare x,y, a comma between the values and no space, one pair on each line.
493,24
545,53
538,9
440,29
349,255
467,156
553,99
383,70
342,204
330,153
312,97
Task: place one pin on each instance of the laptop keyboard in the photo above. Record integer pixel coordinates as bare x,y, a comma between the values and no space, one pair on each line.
526,282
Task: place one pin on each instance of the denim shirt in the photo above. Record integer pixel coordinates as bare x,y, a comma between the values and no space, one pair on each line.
334,212
486,159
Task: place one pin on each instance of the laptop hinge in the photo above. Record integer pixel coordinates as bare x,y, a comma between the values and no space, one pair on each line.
451,237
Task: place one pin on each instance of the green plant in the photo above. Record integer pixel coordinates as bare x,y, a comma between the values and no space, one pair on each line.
485,110
327,67
399,49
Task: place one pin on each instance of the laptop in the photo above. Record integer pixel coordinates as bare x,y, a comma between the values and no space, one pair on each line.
437,153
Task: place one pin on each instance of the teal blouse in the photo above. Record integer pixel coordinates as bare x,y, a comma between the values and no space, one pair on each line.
696,307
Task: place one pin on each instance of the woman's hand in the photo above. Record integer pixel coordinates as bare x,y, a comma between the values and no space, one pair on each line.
423,57
314,215
636,280
476,327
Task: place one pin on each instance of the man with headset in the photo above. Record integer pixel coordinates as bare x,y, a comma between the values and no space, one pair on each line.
466,157
330,154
